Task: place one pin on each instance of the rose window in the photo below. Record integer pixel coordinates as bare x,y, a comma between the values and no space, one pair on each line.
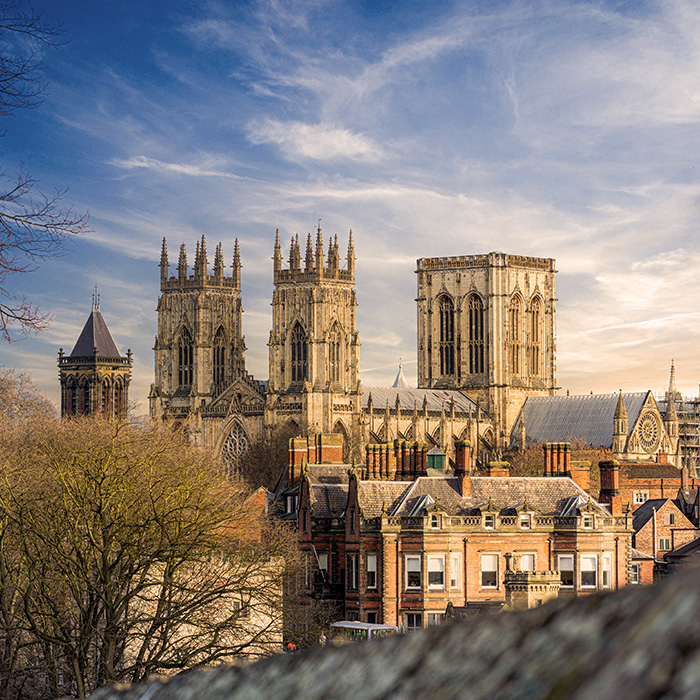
649,433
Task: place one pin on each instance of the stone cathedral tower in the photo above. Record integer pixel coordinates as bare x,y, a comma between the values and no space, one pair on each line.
199,349
314,346
486,326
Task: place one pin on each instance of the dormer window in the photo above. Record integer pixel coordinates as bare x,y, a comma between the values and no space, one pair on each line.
435,521
292,504
525,522
489,521
587,522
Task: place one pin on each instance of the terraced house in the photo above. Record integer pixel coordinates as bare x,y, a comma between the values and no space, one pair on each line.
397,541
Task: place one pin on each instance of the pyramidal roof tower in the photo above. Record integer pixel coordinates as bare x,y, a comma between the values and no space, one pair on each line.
94,377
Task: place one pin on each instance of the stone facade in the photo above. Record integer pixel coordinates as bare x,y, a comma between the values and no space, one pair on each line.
487,326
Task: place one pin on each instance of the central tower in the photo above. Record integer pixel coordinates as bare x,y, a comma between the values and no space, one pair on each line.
314,344
487,326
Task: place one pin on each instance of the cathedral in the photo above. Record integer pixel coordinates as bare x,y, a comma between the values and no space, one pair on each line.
486,347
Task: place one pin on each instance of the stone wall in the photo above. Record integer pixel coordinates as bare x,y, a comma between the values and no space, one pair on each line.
642,642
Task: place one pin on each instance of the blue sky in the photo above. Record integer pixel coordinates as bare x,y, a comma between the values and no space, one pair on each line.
556,129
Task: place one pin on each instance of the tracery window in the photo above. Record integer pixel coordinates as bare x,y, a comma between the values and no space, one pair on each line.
334,340
514,319
234,447
219,361
185,358
535,319
84,397
476,334
119,407
447,336
300,354
71,397
107,397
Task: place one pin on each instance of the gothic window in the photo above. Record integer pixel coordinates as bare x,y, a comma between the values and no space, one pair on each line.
476,334
447,336
185,358
334,363
219,361
71,397
119,408
535,336
84,397
107,397
235,445
300,354
514,320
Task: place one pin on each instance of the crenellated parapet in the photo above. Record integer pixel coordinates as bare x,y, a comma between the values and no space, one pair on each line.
198,276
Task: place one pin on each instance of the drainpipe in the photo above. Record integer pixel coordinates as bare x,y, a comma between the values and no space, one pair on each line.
653,520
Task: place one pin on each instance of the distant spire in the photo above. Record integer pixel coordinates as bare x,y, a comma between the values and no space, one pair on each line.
236,265
277,255
319,249
309,258
182,264
96,299
673,394
164,262
219,264
351,255
294,254
620,410
400,381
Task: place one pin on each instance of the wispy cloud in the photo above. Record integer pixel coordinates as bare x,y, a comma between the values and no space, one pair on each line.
160,166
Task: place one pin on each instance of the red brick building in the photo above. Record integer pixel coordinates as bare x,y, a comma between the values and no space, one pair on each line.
394,542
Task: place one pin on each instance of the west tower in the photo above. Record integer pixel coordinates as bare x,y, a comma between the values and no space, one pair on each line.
199,349
314,346
487,326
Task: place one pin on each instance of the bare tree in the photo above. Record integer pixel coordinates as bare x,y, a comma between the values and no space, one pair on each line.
33,225
266,458
125,552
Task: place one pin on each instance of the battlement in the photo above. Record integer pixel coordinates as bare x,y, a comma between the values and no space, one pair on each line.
461,262
289,276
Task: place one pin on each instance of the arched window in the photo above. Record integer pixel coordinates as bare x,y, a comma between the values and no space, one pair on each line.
219,361
535,333
447,336
71,397
234,447
334,341
300,354
84,397
107,397
476,334
514,320
185,358
119,407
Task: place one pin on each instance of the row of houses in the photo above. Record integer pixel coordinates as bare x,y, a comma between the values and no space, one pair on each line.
405,537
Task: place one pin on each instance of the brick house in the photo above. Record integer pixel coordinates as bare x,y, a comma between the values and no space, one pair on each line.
392,541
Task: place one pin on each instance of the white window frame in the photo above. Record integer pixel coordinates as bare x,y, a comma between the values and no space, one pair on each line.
567,559
435,521
587,522
434,619
669,519
372,569
640,497
416,617
436,565
635,574
664,541
352,575
413,558
323,562
606,571
525,522
589,565
534,561
489,521
455,570
490,558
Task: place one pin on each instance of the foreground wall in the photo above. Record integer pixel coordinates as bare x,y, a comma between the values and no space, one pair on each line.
640,642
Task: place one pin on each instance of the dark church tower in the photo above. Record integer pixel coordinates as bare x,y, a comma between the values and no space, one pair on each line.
199,348
94,377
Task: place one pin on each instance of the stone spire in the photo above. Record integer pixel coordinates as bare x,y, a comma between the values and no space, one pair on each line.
620,426
351,256
673,394
219,265
164,262
400,381
182,264
201,265
295,254
236,266
319,250
309,257
277,255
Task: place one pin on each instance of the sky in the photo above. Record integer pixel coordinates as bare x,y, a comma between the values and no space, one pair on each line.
558,129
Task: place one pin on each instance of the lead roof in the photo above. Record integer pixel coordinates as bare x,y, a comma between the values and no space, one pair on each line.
95,334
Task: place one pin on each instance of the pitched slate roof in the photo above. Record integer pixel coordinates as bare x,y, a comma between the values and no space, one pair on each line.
436,398
328,500
648,470
565,418
375,495
644,513
544,495
95,334
638,554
